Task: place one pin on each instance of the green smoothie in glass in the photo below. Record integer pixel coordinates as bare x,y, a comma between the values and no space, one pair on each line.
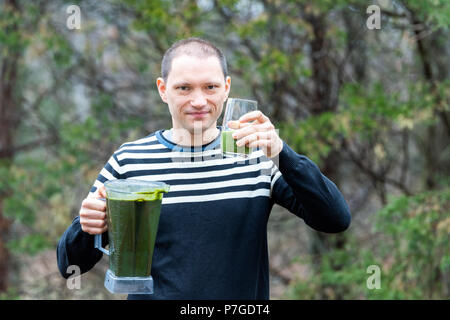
234,110
229,146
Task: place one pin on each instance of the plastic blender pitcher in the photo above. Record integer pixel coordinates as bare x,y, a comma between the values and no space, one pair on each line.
133,209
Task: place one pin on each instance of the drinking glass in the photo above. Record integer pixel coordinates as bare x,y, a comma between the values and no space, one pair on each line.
235,109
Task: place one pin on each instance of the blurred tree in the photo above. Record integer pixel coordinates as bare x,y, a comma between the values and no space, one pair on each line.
12,46
370,107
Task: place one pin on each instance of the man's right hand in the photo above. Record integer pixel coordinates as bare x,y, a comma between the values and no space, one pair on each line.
93,212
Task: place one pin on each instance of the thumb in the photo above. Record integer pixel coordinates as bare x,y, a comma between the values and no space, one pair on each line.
102,191
233,124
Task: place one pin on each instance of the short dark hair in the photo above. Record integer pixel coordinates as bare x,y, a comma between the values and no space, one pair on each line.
192,47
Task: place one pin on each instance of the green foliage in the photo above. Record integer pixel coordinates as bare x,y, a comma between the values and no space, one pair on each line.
417,230
364,115
29,244
12,39
410,246
434,12
341,274
60,50
314,136
165,21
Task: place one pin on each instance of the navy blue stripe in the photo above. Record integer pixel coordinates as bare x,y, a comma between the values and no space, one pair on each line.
101,178
249,174
180,159
150,143
169,144
217,202
174,159
111,170
164,141
247,187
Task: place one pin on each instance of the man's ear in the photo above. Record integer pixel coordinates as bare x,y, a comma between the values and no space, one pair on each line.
227,86
161,88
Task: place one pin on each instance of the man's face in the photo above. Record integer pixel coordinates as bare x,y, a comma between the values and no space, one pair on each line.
195,92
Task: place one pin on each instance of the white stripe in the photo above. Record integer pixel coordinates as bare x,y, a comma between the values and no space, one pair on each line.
174,154
165,155
97,184
220,196
142,140
107,174
149,147
114,165
274,169
275,178
220,184
199,175
210,185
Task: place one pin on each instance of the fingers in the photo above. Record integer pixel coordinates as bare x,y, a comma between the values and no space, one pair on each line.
252,128
235,124
93,204
93,216
254,115
92,223
260,135
93,230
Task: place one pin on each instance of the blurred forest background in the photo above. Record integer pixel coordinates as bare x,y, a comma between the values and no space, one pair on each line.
370,107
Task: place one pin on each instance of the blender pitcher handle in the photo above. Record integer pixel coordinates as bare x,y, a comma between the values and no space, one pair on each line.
98,244
98,239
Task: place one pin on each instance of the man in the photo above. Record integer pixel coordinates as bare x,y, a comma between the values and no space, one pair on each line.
212,236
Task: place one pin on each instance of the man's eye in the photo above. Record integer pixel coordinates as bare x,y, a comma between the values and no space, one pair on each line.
211,87
183,88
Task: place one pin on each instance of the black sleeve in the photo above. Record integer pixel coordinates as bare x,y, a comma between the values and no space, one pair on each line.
306,192
76,247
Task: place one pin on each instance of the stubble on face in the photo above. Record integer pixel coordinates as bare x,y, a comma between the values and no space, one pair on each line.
195,85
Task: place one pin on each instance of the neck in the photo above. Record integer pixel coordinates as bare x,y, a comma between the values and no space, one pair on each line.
183,137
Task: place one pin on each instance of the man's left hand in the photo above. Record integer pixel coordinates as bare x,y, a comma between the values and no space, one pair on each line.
255,130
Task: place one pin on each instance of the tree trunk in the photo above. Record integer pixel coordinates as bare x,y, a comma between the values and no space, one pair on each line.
9,111
326,90
430,144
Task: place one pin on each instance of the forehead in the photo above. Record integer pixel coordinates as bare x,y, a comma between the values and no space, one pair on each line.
193,69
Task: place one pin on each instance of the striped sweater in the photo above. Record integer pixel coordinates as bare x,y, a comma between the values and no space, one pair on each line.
212,236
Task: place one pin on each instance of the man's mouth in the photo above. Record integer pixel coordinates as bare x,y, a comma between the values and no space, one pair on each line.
199,114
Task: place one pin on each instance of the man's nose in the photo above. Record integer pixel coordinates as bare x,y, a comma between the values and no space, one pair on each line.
198,100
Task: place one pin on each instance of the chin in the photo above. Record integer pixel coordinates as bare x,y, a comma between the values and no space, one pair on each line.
203,128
